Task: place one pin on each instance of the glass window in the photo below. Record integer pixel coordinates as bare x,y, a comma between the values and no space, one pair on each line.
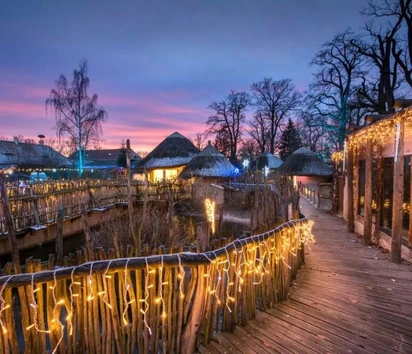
361,194
387,193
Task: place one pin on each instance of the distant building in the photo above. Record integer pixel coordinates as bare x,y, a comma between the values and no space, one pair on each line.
23,158
103,159
167,160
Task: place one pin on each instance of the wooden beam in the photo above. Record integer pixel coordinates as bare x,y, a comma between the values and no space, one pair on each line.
367,218
397,205
371,118
402,103
349,181
410,205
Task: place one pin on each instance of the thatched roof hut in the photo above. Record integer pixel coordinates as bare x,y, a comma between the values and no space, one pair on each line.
25,155
174,151
209,163
304,162
269,160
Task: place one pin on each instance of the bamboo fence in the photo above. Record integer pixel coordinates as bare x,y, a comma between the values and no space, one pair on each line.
158,303
38,204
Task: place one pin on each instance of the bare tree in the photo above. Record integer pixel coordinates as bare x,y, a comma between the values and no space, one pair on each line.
229,115
339,72
398,16
274,102
378,93
249,150
77,114
312,134
199,140
259,131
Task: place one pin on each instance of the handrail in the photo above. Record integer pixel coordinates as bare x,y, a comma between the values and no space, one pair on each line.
177,300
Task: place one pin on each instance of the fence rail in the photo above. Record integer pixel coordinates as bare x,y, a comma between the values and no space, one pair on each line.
38,204
160,303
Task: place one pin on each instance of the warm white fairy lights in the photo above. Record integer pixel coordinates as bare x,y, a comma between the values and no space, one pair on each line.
250,260
145,300
210,212
3,306
126,292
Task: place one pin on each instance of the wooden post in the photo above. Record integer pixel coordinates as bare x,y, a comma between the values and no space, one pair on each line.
367,218
87,234
410,206
59,236
203,236
397,206
349,181
132,224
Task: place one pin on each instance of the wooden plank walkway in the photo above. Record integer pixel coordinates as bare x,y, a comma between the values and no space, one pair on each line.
348,298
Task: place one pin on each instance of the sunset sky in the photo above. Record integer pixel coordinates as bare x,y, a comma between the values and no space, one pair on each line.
156,64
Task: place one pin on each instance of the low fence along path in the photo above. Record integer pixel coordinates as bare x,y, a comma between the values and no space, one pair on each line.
348,298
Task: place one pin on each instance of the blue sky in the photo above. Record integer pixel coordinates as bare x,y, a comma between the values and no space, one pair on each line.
156,65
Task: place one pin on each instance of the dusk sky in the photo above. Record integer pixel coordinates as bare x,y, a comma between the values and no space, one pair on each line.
156,65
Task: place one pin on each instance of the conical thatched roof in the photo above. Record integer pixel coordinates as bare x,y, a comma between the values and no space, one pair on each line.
304,162
269,160
174,151
208,163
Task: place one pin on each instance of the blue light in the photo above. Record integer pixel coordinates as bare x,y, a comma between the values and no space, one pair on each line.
236,170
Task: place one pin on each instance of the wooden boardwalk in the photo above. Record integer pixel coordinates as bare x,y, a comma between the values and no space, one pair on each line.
348,298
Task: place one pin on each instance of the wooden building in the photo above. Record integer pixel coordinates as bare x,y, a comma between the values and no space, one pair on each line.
377,190
167,160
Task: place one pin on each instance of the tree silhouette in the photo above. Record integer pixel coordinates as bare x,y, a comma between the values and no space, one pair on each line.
77,114
289,141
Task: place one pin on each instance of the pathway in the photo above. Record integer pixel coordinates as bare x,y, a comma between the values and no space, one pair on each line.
347,299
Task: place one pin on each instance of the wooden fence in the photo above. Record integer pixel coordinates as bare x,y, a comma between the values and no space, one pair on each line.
38,204
169,303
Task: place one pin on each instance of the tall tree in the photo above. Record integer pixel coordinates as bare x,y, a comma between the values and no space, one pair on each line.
339,65
121,160
274,101
289,141
77,114
227,119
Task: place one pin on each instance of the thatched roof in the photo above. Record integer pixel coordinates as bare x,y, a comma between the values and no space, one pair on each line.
304,162
269,160
209,163
174,151
15,153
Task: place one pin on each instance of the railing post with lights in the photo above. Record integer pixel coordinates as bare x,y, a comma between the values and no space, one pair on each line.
397,208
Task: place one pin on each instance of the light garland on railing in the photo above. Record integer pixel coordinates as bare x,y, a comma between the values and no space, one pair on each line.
255,254
210,212
3,306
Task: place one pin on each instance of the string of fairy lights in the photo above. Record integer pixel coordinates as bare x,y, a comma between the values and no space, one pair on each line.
251,257
378,133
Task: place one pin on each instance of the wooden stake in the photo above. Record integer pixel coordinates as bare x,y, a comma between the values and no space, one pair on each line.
349,181
397,206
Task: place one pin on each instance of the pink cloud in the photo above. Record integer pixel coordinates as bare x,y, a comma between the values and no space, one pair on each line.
26,109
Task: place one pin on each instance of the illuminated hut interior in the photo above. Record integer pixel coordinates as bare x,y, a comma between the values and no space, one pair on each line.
168,159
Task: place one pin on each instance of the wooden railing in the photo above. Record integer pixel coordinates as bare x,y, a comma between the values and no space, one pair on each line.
169,303
310,194
37,204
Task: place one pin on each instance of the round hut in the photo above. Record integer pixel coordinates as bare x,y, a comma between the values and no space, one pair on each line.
167,160
209,164
266,159
309,172
205,170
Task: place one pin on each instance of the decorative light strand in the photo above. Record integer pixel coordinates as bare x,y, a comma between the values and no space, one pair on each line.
146,298
127,286
105,286
34,307
56,319
3,305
